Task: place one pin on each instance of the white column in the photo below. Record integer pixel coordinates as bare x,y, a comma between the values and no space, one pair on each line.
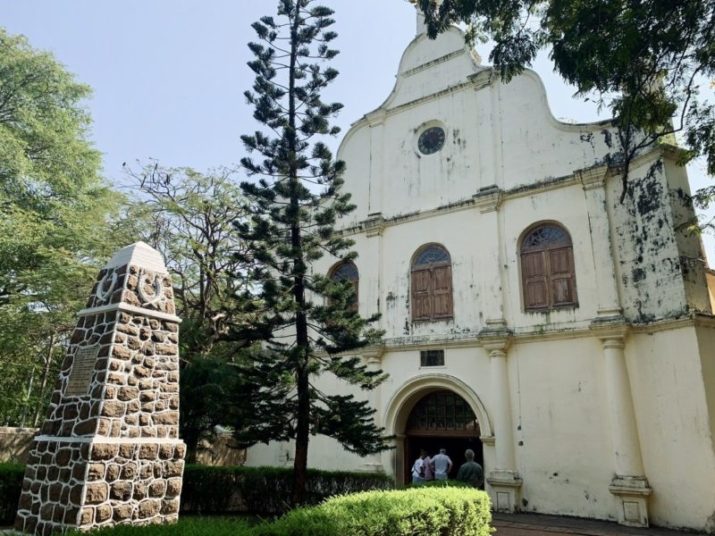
593,180
373,360
503,480
505,460
629,484
624,434
491,270
376,120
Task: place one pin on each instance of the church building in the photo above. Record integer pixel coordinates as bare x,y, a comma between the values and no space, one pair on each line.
564,335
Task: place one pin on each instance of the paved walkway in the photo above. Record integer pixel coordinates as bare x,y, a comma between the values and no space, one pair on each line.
540,525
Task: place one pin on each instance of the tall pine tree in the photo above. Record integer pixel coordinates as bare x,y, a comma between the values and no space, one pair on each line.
305,322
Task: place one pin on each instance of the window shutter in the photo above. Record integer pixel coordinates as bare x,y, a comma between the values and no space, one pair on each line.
533,267
561,264
421,286
442,291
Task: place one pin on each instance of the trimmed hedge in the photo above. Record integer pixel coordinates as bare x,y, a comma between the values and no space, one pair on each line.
432,511
265,490
11,476
227,490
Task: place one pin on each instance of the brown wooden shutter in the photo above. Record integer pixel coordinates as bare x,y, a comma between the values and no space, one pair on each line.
421,295
561,274
536,290
442,292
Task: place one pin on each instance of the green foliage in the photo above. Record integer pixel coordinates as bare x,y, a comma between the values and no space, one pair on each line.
54,221
413,512
643,60
265,490
11,476
303,320
208,388
189,217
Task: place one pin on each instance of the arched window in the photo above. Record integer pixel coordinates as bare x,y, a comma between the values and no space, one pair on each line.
444,413
431,283
347,271
547,268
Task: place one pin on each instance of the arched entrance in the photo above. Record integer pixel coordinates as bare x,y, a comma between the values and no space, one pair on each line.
442,419
405,398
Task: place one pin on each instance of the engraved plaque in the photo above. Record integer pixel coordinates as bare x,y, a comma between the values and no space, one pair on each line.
82,368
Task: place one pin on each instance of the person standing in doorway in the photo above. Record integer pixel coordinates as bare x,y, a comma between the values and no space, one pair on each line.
429,473
441,465
418,469
471,472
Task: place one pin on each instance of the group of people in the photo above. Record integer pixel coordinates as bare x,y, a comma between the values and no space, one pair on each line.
439,466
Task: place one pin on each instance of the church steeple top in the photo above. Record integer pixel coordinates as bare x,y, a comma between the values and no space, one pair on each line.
421,26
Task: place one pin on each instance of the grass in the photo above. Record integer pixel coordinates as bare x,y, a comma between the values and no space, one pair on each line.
187,526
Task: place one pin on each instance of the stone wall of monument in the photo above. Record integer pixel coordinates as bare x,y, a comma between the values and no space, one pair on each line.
109,451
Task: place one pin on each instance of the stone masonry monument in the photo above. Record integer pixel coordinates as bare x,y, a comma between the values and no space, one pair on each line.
109,451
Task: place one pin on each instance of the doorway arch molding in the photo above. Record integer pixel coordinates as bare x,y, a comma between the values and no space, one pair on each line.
409,393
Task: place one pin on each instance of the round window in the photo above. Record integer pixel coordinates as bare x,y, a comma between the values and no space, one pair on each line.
431,140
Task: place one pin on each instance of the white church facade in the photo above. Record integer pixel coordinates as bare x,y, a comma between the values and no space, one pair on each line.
530,314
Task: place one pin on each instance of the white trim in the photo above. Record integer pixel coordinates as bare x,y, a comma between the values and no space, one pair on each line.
108,440
126,308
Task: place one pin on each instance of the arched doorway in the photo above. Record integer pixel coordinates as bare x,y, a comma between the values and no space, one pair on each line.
442,419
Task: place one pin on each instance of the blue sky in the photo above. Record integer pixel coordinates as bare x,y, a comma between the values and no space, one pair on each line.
169,75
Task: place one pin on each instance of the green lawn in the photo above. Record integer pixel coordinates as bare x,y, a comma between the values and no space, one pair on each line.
187,526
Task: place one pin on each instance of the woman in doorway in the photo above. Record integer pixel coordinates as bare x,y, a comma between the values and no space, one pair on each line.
419,468
429,469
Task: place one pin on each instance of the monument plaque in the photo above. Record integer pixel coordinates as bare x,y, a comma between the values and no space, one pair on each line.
82,369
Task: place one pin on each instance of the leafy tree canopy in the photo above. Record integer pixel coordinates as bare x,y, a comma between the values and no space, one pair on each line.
55,213
645,60
190,218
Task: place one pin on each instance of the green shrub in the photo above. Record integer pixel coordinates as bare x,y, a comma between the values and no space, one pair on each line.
221,490
413,512
265,490
11,476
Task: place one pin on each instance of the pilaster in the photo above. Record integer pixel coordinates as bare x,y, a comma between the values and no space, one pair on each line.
504,480
488,200
594,181
629,484
376,121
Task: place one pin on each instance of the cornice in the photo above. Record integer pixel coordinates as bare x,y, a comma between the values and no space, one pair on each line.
613,328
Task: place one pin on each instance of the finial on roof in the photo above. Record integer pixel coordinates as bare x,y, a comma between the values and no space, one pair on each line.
421,25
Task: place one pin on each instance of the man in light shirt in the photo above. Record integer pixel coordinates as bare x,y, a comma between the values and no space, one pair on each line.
441,465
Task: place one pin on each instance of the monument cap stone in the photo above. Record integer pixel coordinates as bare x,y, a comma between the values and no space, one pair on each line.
138,254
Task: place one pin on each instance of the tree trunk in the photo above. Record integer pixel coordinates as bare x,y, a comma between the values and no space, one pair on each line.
300,464
45,375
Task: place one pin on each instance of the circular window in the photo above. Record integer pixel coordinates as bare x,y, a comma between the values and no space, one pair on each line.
431,140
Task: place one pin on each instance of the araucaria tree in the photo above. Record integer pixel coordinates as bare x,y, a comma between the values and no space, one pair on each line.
306,323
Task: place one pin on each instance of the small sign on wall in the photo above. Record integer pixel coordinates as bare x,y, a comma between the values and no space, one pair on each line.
82,369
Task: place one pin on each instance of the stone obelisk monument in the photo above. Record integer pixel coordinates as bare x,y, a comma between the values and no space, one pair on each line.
109,451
